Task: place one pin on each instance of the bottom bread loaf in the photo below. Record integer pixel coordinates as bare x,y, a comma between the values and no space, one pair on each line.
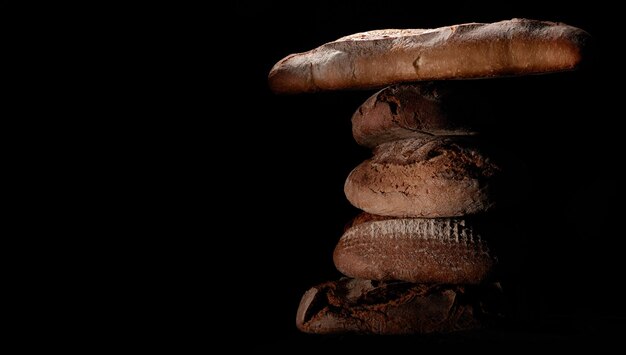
378,307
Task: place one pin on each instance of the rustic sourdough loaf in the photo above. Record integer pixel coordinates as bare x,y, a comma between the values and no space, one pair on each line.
423,250
432,177
474,50
409,111
372,307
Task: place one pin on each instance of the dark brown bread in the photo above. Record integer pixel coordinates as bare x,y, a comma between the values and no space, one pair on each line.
473,50
441,250
408,111
433,177
372,307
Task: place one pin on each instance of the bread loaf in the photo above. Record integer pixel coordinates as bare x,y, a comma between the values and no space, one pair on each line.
372,307
473,50
433,177
433,250
408,111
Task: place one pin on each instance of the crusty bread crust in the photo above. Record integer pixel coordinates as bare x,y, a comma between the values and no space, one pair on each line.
429,250
407,111
372,307
474,50
434,177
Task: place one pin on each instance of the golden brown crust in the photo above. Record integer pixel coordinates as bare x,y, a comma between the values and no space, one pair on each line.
428,250
383,57
434,177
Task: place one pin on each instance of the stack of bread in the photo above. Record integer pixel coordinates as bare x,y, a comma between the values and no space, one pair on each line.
416,260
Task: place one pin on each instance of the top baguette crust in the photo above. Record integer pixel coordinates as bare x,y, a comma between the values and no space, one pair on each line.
474,50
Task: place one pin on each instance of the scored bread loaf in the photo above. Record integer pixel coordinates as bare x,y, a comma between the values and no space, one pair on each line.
373,307
473,50
423,250
409,111
433,177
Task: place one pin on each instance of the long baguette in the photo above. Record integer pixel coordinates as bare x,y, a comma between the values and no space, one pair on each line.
474,50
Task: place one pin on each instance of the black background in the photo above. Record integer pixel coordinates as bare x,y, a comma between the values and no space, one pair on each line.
562,262
220,203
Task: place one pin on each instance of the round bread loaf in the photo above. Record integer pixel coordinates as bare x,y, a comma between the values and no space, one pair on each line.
433,250
433,177
372,307
408,111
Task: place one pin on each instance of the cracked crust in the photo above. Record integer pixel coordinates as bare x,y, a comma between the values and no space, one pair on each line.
433,177
474,50
371,307
408,111
423,250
